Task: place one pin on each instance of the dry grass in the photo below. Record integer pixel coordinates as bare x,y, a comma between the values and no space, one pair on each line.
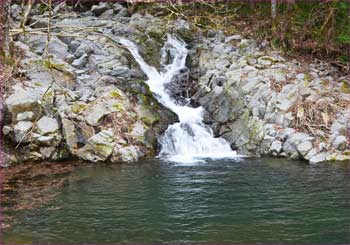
316,116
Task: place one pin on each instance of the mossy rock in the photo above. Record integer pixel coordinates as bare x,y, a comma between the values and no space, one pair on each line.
345,88
78,107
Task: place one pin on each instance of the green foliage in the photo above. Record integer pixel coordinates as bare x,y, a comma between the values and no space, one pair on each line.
316,27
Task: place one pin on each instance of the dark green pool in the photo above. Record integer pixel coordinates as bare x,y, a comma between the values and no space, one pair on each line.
250,201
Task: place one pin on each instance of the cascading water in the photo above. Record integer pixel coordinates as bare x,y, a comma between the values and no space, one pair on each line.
189,140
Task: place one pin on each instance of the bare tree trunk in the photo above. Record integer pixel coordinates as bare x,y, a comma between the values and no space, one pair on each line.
4,25
273,9
4,51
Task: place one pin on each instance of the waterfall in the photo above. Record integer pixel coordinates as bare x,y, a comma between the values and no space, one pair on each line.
190,139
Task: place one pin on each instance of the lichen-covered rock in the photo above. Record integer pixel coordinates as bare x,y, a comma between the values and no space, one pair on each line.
99,147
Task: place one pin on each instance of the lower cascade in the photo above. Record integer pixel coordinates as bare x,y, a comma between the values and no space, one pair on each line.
190,139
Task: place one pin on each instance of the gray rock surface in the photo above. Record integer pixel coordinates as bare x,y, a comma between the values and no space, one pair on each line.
21,130
47,125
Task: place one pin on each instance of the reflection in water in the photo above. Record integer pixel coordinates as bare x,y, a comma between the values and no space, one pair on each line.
251,201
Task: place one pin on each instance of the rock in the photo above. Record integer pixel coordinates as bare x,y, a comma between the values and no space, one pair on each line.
340,143
81,62
47,125
276,147
313,152
99,147
265,61
85,47
292,142
300,76
304,147
266,144
117,7
138,130
100,8
22,101
95,113
47,152
147,115
7,130
338,128
182,29
112,101
21,130
233,37
45,140
58,48
322,157
73,46
25,116
107,14
128,154
123,13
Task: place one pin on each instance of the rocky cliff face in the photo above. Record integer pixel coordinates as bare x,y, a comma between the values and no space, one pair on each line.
265,105
80,94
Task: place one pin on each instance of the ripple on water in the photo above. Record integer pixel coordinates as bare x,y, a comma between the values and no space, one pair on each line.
251,201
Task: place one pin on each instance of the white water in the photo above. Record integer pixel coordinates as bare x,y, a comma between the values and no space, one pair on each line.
189,140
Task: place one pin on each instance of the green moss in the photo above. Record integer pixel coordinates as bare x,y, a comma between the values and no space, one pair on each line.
307,77
105,149
345,88
49,65
78,108
119,107
116,94
148,117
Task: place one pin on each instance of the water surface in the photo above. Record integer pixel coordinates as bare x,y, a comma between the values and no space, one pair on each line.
249,201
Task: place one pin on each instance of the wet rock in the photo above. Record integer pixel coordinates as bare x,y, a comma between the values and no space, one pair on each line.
127,154
99,147
313,152
276,148
322,157
21,131
47,125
